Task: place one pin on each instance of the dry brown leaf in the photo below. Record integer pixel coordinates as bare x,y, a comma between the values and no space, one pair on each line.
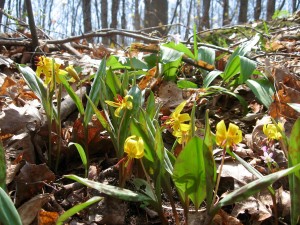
31,180
258,211
47,218
29,210
223,218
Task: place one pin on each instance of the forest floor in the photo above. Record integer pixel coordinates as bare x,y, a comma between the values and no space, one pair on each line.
41,193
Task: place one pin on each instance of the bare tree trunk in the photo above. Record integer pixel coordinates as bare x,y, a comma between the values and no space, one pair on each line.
257,10
114,13
188,19
281,6
2,3
206,18
156,14
199,8
225,13
104,23
180,18
123,20
34,38
87,17
243,11
137,16
6,21
270,9
295,5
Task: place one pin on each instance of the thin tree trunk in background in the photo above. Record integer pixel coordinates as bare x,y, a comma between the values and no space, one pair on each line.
199,8
49,15
188,19
137,16
44,11
257,10
270,9
97,8
2,3
180,18
294,5
243,11
281,6
34,38
174,14
114,13
6,21
205,20
123,20
156,14
87,17
104,23
225,13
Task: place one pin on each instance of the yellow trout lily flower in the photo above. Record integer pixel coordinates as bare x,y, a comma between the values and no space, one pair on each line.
230,137
183,134
120,103
134,147
46,66
271,131
175,119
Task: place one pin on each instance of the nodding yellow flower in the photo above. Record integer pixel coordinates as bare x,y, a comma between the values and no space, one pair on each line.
72,72
120,103
230,137
134,147
176,119
183,134
46,66
272,132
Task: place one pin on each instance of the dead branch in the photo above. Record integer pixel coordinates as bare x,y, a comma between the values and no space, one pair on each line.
108,33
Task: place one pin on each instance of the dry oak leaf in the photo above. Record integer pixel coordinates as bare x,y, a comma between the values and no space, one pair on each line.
31,180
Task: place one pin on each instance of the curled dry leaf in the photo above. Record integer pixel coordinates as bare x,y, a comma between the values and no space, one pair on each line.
31,180
29,210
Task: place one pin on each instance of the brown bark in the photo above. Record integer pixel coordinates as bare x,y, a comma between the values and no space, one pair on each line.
2,3
243,11
156,14
257,10
114,13
187,31
270,9
137,16
225,13
34,38
206,18
87,18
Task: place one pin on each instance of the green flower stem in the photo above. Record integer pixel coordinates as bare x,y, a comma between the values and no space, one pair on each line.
58,126
219,177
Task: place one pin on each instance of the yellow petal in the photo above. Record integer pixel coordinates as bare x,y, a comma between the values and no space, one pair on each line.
221,134
234,134
113,104
179,108
185,117
134,147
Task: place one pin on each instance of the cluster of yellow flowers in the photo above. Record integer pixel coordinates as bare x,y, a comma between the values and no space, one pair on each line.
177,122
272,132
228,138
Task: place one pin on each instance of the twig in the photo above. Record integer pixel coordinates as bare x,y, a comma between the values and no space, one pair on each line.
35,41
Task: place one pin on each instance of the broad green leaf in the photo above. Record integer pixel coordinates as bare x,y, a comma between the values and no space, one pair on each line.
244,48
186,84
247,68
262,89
94,93
169,55
295,106
210,78
181,48
36,85
151,108
195,43
75,209
294,179
114,63
189,171
8,213
82,155
207,55
113,82
72,94
232,68
209,162
252,188
142,186
113,191
2,167
170,69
